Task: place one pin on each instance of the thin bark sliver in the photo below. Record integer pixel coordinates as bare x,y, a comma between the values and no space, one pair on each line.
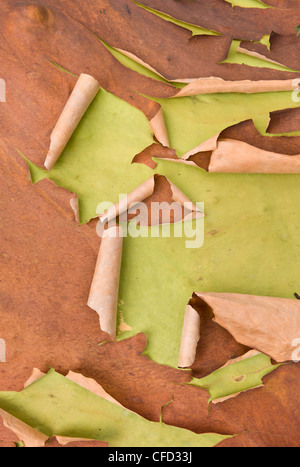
190,338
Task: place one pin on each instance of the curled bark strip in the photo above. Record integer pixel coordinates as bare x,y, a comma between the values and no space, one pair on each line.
82,96
103,296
